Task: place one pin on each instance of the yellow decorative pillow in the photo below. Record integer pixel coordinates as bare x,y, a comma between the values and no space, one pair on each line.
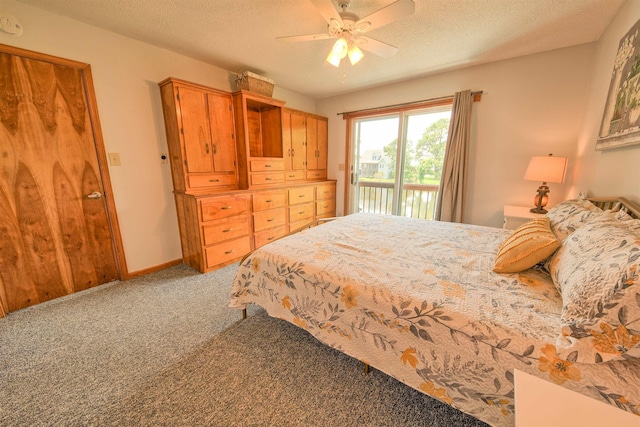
529,244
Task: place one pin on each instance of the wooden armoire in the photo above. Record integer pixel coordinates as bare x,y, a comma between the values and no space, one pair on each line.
246,170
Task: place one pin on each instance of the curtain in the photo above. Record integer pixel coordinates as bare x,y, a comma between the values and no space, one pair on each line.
453,185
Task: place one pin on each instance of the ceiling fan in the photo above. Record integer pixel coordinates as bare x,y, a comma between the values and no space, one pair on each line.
349,29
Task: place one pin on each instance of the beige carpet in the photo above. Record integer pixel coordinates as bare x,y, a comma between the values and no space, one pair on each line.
164,350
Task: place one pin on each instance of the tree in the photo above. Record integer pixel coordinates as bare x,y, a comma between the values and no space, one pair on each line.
391,151
430,149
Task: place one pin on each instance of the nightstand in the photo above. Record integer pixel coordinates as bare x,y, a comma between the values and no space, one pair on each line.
515,216
543,403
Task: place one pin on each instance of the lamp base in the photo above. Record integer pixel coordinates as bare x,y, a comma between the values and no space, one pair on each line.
540,201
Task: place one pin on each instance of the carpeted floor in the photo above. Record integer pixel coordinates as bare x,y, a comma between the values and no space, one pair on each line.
164,350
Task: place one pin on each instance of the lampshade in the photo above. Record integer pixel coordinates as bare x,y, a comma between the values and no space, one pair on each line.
546,169
340,49
338,52
355,54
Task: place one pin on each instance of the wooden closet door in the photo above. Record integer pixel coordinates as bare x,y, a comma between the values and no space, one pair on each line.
55,233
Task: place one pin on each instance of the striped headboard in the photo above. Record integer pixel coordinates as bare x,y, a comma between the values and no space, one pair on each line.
629,207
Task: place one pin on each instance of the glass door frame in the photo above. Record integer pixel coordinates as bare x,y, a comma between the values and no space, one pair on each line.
403,113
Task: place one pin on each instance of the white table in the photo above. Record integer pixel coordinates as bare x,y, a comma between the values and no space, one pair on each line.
515,216
541,403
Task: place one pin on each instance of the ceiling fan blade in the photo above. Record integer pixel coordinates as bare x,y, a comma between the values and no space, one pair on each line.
386,15
328,12
304,38
376,46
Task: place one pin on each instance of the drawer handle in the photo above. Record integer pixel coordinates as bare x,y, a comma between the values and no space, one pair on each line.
301,195
230,252
292,176
271,219
270,238
326,206
301,212
268,166
226,208
268,201
268,179
230,229
214,180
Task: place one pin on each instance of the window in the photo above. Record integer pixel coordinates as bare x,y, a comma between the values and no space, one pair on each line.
403,178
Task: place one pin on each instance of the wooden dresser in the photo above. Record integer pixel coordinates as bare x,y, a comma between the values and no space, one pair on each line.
245,170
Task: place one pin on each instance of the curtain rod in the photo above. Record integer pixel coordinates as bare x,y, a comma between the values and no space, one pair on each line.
479,92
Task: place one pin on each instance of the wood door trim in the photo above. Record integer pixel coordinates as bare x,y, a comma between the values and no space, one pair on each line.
85,69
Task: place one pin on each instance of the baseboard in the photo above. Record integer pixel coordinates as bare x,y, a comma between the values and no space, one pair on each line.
142,272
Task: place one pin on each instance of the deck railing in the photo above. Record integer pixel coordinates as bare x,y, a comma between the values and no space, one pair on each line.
418,200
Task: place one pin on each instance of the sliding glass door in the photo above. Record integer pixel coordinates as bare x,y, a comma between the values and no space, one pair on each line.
397,162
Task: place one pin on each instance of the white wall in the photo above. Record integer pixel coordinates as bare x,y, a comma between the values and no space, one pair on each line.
612,172
532,105
126,73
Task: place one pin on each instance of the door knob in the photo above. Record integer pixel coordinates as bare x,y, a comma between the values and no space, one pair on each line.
94,195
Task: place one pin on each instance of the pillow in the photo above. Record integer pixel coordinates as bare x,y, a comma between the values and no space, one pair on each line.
568,216
596,270
529,244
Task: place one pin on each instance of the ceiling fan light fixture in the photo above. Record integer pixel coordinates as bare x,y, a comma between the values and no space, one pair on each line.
355,54
334,59
340,47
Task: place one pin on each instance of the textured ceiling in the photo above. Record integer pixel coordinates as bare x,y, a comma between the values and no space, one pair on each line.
239,35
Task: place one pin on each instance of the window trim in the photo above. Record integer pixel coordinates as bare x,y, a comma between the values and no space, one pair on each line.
383,111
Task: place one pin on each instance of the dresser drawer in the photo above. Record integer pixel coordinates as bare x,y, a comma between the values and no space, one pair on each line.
325,207
300,195
293,226
269,200
227,251
295,175
319,174
326,191
224,207
211,180
263,237
266,165
301,212
267,178
226,229
268,219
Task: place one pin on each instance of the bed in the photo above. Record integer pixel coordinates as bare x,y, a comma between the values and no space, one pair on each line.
420,301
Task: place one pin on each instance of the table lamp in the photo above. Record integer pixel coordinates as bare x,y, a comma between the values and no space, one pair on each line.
545,169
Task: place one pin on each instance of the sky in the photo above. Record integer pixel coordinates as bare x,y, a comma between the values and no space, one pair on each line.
375,134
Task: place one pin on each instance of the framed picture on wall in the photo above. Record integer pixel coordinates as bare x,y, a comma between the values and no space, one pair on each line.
621,118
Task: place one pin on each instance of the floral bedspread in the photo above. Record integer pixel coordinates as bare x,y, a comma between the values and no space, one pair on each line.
418,300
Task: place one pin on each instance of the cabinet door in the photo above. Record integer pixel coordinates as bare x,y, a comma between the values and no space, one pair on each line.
298,141
195,130
312,143
322,143
223,146
286,139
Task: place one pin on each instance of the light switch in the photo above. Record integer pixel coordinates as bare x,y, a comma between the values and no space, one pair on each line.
114,159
